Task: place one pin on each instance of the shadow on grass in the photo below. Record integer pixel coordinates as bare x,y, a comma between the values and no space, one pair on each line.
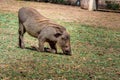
34,49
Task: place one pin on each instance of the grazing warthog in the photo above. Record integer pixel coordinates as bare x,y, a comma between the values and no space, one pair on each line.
38,26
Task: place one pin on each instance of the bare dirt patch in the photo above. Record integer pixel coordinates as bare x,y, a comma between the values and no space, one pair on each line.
66,13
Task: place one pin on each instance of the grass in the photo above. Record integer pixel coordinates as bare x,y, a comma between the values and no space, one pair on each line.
96,54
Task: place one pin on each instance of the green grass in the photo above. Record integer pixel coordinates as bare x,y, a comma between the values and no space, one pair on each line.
96,54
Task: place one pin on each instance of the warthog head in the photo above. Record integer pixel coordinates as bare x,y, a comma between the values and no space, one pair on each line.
64,43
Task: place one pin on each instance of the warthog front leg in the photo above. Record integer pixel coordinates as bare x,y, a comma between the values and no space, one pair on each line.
40,47
53,47
41,42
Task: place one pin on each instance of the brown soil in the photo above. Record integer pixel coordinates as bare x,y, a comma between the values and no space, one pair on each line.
66,13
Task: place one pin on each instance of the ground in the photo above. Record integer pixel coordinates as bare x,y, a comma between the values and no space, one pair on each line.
95,43
66,13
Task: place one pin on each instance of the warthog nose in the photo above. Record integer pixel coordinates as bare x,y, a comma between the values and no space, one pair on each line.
67,52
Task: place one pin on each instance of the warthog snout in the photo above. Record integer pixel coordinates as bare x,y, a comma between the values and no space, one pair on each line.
67,50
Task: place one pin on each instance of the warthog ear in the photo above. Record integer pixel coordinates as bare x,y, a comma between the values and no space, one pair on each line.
58,35
59,31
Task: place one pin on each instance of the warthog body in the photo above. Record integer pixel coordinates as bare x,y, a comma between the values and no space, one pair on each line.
38,26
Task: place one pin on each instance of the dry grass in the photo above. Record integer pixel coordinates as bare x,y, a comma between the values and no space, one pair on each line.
66,13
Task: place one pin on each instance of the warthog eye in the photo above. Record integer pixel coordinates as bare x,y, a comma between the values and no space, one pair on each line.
66,46
65,37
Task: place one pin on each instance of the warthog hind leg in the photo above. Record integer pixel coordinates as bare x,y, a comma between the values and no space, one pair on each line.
21,34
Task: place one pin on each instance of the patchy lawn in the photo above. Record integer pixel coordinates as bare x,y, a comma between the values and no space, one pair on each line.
95,40
96,54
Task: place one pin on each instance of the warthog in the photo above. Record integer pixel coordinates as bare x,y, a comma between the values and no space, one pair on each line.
38,26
